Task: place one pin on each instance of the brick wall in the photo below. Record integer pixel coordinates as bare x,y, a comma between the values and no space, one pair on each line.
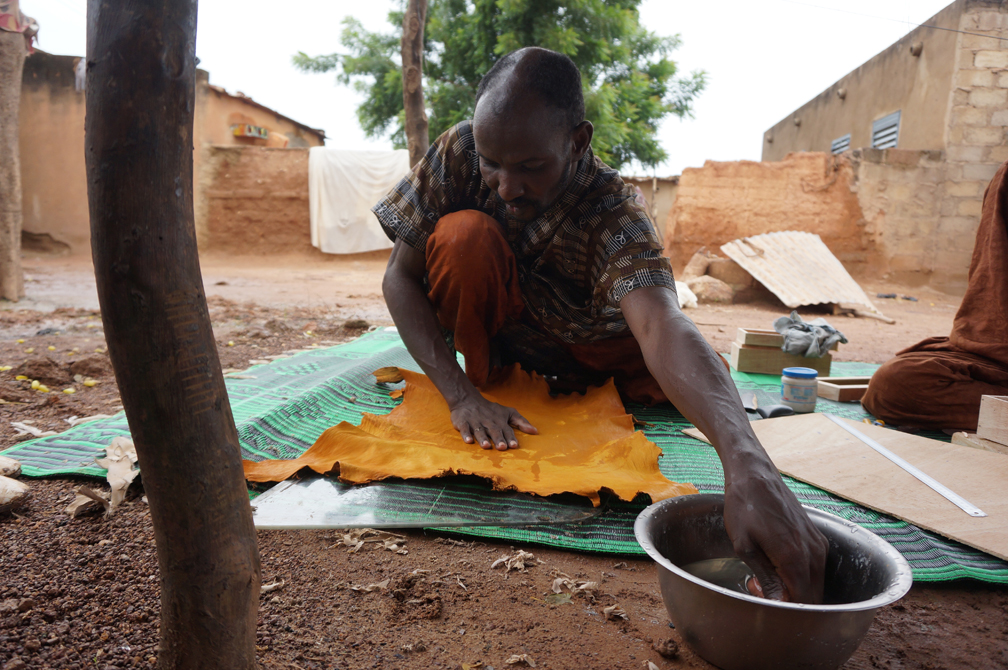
878,211
806,191
254,200
900,193
976,139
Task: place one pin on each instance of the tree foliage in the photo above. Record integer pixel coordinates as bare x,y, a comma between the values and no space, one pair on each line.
630,82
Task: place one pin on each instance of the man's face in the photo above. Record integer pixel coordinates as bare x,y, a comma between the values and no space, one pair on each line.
526,157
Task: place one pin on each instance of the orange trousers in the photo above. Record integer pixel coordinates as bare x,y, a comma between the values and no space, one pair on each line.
938,383
473,284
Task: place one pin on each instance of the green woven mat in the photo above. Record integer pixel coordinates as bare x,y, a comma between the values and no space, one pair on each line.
289,402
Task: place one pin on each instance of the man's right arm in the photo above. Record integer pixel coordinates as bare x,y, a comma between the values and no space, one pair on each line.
477,419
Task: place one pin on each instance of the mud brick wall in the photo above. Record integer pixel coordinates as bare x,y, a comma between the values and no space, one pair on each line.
254,200
879,211
807,191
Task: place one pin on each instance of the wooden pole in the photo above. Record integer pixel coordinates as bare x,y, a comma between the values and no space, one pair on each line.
417,139
139,154
12,57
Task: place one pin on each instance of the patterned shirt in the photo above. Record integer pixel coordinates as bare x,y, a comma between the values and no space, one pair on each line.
575,262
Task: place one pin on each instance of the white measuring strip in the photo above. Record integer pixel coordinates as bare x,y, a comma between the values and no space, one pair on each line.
938,487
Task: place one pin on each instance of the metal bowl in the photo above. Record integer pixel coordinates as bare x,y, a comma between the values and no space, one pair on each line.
734,630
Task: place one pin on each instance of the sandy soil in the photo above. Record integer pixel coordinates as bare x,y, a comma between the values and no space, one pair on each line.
84,592
344,288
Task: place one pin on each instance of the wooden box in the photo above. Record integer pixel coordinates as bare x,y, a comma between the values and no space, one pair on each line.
754,337
771,360
757,337
843,389
993,423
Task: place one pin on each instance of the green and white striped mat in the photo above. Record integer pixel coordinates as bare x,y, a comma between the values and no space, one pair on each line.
282,407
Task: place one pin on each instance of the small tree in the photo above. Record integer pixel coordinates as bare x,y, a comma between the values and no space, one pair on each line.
630,83
414,114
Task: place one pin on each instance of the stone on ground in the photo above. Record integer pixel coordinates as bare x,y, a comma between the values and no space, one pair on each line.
9,467
13,494
697,266
710,290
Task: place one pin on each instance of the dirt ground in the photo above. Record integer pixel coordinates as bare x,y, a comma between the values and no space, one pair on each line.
83,592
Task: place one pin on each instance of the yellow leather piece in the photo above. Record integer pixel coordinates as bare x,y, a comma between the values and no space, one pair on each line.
586,443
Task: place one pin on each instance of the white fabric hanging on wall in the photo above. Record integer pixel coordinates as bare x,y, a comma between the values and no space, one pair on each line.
343,186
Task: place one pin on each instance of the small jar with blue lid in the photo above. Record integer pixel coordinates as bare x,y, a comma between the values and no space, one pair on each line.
800,388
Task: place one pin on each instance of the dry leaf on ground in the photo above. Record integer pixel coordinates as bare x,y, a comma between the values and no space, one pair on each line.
87,499
472,666
395,543
558,599
652,666
521,658
614,612
23,428
564,580
78,420
516,562
377,586
120,457
273,586
356,538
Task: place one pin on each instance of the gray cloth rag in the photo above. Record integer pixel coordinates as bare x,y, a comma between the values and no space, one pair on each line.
811,339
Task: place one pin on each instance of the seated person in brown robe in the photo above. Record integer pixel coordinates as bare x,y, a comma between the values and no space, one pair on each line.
938,383
513,237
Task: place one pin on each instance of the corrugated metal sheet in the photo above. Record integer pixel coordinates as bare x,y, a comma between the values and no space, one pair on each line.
797,268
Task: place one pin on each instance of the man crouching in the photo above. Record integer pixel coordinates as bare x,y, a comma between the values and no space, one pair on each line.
521,245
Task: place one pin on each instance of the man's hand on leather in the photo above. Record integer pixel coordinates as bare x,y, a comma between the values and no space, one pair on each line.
488,424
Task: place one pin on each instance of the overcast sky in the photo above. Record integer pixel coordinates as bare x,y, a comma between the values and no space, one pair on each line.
764,59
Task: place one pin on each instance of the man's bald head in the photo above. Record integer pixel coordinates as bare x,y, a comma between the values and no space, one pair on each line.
550,77
529,129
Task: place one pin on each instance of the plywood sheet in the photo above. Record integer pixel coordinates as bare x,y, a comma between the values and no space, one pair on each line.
586,443
813,449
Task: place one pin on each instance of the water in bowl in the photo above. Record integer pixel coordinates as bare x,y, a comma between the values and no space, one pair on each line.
728,573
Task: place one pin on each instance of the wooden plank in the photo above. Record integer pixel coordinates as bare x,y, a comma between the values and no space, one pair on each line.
813,449
843,389
972,440
760,337
771,360
993,423
756,337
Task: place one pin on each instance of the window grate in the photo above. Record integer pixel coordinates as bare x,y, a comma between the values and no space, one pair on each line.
840,144
885,131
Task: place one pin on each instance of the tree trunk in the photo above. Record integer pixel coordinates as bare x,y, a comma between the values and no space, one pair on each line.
139,153
412,67
12,57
